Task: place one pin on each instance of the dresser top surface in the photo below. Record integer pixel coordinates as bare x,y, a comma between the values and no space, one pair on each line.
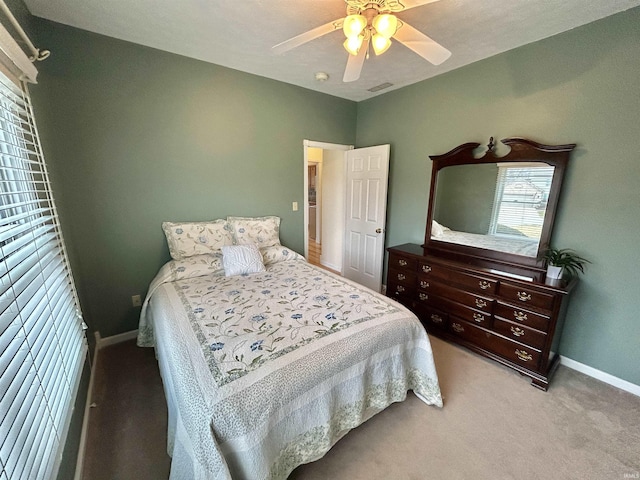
420,252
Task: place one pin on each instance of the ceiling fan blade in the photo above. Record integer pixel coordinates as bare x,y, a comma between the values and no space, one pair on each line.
424,46
307,36
355,62
415,3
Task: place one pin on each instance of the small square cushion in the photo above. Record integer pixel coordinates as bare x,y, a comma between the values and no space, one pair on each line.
241,260
260,231
196,238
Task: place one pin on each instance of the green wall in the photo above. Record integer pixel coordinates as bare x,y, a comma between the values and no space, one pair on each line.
464,197
134,136
578,87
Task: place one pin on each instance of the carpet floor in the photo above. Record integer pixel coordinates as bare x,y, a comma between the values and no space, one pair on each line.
494,425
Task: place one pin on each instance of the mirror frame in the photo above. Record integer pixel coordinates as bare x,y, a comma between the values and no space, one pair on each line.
524,151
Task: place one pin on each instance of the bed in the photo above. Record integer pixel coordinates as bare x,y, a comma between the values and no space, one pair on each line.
525,246
265,371
519,246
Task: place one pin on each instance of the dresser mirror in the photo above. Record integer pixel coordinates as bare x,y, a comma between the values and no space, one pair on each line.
496,208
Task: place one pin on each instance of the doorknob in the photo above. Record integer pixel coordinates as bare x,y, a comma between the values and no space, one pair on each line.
378,230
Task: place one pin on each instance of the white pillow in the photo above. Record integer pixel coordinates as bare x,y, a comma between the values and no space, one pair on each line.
241,260
187,239
261,231
436,229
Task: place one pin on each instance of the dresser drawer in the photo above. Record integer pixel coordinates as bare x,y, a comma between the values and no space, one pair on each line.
461,311
401,262
432,317
471,333
520,333
512,351
525,296
397,290
515,352
522,316
477,302
475,283
402,277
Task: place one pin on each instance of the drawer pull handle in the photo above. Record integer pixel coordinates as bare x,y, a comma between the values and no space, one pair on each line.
424,284
480,303
426,268
523,355
484,284
457,327
399,289
517,331
478,317
401,276
402,262
436,318
524,296
520,316
423,296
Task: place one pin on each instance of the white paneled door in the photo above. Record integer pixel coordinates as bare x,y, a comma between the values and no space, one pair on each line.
367,180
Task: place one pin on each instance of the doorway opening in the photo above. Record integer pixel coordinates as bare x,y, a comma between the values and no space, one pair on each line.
324,205
345,229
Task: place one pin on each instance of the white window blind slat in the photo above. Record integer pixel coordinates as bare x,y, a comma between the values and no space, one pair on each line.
41,336
6,298
40,466
8,330
35,308
16,231
29,414
13,422
18,212
39,429
13,359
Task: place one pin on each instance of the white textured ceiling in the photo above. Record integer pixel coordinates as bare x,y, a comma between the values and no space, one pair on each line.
240,33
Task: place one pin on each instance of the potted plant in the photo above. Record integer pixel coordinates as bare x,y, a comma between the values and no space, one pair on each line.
560,260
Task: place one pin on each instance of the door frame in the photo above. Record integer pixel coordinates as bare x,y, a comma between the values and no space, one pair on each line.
325,146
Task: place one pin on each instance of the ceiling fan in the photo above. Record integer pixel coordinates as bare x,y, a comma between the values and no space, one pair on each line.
373,22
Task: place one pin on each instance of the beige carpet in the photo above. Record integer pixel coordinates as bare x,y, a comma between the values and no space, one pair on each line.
494,425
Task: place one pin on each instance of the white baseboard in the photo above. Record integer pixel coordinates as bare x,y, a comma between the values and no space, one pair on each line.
113,339
335,268
100,343
600,375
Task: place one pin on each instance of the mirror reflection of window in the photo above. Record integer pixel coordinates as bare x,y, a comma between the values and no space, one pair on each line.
521,199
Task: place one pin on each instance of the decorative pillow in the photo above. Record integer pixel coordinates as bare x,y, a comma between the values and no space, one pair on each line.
436,229
241,260
196,238
278,253
260,231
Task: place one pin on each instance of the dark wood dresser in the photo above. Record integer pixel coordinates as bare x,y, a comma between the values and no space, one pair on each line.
515,322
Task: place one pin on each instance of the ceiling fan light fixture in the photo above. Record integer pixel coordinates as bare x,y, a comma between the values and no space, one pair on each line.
385,24
380,43
353,25
353,44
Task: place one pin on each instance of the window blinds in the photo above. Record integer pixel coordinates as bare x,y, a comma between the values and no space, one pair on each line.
42,343
521,200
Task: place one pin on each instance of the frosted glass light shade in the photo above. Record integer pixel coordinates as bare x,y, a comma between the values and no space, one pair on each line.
380,44
353,25
353,44
385,24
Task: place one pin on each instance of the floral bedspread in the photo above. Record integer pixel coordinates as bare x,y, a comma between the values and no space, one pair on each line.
267,371
526,246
